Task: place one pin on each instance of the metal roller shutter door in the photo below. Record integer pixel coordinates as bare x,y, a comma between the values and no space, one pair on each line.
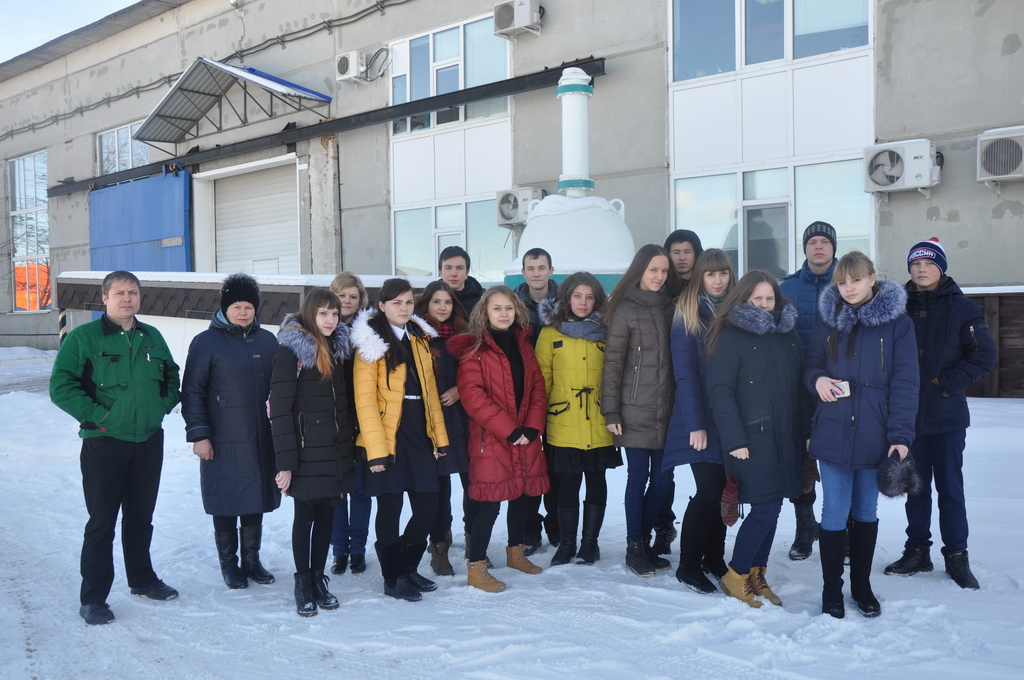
257,222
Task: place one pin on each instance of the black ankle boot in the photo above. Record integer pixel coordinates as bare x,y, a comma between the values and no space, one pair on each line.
637,560
664,534
658,562
357,563
339,565
252,539
959,569
915,558
411,556
568,524
396,582
227,553
305,600
324,599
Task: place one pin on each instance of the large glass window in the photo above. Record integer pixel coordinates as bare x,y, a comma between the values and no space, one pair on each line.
446,61
490,247
766,230
30,233
821,26
833,193
708,206
704,38
765,30
414,250
118,151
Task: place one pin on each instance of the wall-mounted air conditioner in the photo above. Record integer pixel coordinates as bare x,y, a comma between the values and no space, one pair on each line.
1001,155
901,166
517,16
350,67
513,205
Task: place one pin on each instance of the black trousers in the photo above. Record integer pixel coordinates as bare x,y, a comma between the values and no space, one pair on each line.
569,484
228,522
483,524
118,476
389,515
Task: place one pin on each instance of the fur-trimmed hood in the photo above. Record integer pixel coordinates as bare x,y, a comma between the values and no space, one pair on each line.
751,319
303,346
370,346
888,304
592,328
547,309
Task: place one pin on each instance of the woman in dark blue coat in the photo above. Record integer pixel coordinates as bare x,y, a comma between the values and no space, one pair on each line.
862,364
224,404
440,308
753,385
693,437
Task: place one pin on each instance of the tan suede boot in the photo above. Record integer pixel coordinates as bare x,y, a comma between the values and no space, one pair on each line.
516,559
760,586
479,577
738,585
439,558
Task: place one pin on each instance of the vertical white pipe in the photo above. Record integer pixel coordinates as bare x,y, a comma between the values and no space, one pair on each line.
574,90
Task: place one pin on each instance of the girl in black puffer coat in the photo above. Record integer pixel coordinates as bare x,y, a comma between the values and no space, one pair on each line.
313,431
753,355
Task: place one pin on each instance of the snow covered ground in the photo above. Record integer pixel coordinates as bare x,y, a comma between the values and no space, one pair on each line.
571,621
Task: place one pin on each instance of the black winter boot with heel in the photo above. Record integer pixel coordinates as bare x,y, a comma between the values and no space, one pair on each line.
863,536
252,542
593,520
412,553
323,597
693,537
832,545
227,554
568,525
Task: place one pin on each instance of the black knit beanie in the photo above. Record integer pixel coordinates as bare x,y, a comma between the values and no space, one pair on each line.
239,288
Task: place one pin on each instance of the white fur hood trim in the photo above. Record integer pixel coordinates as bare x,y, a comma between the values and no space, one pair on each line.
370,346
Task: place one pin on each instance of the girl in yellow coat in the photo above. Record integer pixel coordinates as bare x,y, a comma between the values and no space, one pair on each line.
401,426
570,351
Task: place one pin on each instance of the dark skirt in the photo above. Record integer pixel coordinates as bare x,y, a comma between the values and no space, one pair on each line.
414,467
565,460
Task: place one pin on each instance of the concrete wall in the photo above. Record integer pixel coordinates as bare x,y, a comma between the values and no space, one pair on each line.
947,70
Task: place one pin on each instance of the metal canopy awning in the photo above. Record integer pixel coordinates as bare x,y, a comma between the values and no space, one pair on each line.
204,85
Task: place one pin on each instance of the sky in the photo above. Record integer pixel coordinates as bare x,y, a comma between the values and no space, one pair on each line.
23,27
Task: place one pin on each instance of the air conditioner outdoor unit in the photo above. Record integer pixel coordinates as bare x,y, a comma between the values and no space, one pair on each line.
513,205
901,166
351,67
517,16
1001,155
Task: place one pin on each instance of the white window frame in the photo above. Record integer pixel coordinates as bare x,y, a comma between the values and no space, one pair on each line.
131,127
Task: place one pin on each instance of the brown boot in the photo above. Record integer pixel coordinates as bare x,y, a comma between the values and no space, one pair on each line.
738,585
516,559
439,558
760,586
480,578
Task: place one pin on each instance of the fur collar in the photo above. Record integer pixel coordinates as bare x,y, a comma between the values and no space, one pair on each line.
888,304
371,346
592,328
303,346
751,319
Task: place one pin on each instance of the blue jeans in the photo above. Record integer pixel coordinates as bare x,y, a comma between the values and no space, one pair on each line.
644,501
352,519
939,457
842,490
755,537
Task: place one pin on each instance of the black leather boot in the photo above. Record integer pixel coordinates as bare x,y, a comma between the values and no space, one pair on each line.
227,553
305,600
693,535
340,564
832,545
411,556
658,562
915,558
593,520
637,560
959,569
806,532
324,599
568,525
863,536
252,540
357,563
714,550
664,534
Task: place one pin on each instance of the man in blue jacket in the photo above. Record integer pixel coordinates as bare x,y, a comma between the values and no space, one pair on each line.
803,287
116,378
954,350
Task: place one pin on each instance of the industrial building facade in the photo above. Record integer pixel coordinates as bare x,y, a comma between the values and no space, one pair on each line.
309,137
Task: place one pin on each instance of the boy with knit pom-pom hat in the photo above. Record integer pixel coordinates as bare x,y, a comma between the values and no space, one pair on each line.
954,350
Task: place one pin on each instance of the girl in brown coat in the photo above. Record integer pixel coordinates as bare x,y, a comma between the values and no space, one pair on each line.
502,389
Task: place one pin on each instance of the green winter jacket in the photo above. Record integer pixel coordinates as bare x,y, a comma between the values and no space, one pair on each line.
115,383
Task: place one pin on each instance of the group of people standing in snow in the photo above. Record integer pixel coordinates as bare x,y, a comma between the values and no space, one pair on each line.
758,386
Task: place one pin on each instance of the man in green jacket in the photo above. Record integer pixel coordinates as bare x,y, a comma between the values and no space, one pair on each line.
116,377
